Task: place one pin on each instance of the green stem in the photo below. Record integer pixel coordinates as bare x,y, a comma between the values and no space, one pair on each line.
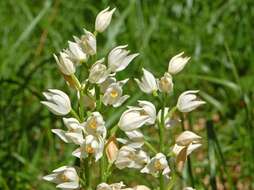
189,169
151,147
172,182
98,98
88,173
77,83
189,160
82,173
108,171
103,169
74,114
113,130
81,105
161,181
190,172
171,112
161,126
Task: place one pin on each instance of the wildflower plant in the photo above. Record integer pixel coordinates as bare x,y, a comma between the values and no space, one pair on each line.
98,146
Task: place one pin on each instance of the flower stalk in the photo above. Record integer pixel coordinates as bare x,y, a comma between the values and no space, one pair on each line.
88,173
100,146
74,114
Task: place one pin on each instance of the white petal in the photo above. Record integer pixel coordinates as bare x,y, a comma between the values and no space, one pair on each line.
121,100
61,134
68,185
50,177
77,153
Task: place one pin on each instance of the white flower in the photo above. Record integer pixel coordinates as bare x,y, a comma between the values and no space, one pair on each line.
113,94
103,19
156,165
188,188
136,139
66,177
141,187
114,186
65,65
190,148
186,143
119,58
72,125
187,101
98,72
95,125
177,63
106,83
135,117
91,145
187,137
57,102
75,53
119,186
165,83
148,82
87,42
129,157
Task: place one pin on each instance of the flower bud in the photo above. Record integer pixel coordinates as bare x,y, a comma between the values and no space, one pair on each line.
57,102
129,157
188,188
136,117
187,101
75,53
186,138
148,82
165,83
87,42
103,19
66,177
177,63
141,187
65,65
98,72
119,58
111,150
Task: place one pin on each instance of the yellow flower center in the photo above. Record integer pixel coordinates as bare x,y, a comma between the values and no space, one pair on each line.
71,130
142,112
157,165
164,82
93,124
114,93
63,178
89,149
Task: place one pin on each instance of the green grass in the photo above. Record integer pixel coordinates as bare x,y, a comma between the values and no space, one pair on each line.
218,35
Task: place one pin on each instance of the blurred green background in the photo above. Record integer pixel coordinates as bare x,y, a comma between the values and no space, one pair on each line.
217,34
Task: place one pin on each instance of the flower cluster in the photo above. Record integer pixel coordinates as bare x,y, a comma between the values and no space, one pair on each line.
86,127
